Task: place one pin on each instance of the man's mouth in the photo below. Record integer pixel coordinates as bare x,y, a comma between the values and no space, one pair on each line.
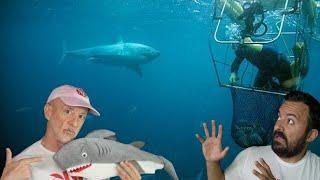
69,132
279,137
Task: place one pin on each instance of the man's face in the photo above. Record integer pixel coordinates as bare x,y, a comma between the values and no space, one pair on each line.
290,130
65,122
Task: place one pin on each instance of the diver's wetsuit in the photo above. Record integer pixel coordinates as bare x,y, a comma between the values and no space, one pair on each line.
270,63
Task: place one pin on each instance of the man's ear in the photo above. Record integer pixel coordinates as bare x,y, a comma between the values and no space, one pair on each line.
312,135
47,111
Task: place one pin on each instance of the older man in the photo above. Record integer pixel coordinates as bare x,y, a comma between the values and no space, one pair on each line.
66,110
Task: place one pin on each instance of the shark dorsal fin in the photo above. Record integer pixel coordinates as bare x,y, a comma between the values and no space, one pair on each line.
137,144
120,40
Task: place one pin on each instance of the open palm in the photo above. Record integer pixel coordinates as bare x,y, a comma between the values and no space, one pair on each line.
211,146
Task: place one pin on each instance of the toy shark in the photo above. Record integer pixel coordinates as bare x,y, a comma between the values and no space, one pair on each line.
97,155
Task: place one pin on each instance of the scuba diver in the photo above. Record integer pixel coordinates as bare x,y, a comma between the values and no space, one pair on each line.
235,8
250,14
275,72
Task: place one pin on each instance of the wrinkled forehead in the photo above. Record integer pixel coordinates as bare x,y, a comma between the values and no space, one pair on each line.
298,109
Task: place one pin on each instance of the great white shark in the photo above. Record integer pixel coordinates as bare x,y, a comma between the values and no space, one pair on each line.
97,155
129,55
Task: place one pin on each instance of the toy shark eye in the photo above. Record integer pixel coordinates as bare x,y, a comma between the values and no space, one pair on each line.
84,155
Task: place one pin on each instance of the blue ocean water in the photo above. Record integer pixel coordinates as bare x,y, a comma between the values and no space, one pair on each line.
164,108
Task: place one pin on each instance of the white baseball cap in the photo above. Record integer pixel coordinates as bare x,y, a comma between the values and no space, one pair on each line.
72,96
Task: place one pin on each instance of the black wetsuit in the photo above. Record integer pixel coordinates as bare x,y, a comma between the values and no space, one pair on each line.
271,64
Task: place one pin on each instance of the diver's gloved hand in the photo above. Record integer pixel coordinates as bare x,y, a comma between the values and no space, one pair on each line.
233,78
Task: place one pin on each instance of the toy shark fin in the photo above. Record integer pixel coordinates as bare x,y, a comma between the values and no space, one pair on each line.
137,144
102,134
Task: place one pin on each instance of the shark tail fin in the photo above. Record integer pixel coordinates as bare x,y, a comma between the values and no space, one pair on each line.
169,168
64,49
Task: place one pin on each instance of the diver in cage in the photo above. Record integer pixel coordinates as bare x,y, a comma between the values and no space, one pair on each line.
235,8
275,72
250,14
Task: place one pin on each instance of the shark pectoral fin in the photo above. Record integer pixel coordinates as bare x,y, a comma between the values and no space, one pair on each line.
137,144
137,69
94,59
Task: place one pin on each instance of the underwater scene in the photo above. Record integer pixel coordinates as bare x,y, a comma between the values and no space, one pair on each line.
156,70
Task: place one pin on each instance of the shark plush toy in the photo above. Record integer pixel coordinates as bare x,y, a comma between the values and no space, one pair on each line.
97,155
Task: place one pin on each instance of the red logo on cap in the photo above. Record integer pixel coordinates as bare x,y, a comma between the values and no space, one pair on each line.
81,92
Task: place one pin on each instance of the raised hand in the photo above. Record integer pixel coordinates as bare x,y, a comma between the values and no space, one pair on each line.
211,145
17,170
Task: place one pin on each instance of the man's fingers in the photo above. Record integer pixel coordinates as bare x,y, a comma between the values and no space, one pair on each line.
201,140
31,160
261,168
127,171
213,125
122,173
220,132
8,156
206,131
225,151
259,175
133,170
264,164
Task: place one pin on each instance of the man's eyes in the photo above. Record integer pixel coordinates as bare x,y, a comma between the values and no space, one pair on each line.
69,111
290,121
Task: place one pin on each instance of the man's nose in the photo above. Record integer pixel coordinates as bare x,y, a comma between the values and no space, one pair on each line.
279,125
74,121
